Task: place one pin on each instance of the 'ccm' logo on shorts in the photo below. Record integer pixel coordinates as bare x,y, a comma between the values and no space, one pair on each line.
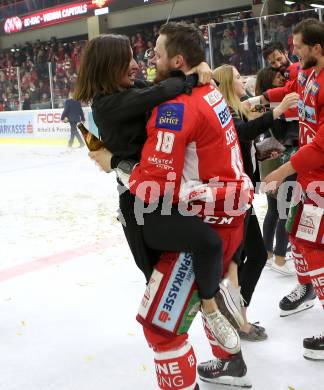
223,114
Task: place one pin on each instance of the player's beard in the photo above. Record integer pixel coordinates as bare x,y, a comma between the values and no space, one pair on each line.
162,74
282,69
309,62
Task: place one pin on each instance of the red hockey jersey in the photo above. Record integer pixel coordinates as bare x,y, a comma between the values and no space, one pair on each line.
309,160
191,139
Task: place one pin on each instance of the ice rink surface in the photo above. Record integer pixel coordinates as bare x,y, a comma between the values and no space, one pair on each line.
69,289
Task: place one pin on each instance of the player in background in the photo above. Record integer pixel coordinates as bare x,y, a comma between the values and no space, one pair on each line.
306,225
276,56
195,134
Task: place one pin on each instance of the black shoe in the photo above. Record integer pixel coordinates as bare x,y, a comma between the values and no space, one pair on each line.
231,371
197,387
314,347
301,298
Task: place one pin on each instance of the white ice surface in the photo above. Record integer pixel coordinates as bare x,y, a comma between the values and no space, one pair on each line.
69,289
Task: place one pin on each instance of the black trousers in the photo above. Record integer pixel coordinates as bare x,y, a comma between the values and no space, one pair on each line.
75,134
175,233
274,224
251,256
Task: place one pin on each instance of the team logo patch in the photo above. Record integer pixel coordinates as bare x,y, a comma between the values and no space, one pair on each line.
213,97
170,116
302,78
309,223
314,88
223,114
287,74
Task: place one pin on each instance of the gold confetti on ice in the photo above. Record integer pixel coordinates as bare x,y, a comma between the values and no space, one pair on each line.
85,284
23,323
18,334
291,388
143,367
89,358
131,334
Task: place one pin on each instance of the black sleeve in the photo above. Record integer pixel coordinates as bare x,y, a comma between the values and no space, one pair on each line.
134,101
65,110
248,131
82,114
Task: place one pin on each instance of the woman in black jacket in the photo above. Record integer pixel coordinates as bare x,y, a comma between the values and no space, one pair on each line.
248,127
120,106
278,204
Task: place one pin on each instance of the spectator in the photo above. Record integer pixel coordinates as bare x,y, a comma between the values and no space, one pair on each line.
27,102
227,43
248,49
73,114
139,46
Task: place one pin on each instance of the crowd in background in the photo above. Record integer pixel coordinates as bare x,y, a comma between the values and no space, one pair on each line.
35,62
10,8
28,67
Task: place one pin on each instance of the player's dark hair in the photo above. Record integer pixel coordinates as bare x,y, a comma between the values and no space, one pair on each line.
185,39
264,80
104,62
312,32
271,47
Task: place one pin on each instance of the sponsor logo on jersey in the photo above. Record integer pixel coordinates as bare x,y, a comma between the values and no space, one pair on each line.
307,113
170,116
306,133
150,293
287,74
309,223
213,97
302,78
163,163
223,113
176,293
230,135
314,88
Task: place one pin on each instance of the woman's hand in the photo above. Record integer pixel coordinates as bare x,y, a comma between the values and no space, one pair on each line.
204,73
289,101
273,181
102,158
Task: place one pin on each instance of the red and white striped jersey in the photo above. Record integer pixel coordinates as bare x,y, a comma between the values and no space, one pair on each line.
309,160
191,139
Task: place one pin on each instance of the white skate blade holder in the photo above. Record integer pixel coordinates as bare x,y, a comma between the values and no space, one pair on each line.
304,306
313,354
234,381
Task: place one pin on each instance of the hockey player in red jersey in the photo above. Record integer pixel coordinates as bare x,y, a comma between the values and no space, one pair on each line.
306,225
277,57
192,155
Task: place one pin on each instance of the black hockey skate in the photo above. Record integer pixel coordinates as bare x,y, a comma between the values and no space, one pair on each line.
231,372
314,347
301,298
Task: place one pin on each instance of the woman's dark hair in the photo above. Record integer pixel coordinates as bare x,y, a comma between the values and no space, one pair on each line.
312,32
185,39
264,80
104,62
